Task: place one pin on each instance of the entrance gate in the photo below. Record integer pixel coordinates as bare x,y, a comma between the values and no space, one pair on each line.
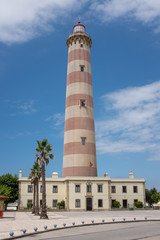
89,204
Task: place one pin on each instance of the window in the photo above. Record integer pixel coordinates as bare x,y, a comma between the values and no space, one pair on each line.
82,68
41,189
54,203
99,188
135,200
29,200
82,103
100,203
83,139
113,189
135,189
89,188
124,189
30,188
77,188
41,203
77,203
55,189
113,200
81,45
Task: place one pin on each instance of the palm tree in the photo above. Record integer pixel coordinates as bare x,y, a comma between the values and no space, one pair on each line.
35,175
44,155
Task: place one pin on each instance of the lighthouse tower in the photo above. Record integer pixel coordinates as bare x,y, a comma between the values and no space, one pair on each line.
79,157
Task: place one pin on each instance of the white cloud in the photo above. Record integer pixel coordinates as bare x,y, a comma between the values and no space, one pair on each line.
144,11
22,20
133,125
21,106
27,107
57,118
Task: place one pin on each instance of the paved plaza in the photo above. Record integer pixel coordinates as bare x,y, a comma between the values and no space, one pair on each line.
16,221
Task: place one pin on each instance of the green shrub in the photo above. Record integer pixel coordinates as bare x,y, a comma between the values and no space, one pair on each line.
116,204
138,204
61,204
29,205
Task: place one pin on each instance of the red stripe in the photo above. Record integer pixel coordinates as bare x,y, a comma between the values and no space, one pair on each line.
79,54
80,171
74,99
79,123
78,148
79,76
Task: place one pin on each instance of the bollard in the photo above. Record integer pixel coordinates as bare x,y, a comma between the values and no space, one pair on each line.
134,218
11,234
103,220
82,222
35,229
45,227
113,219
124,219
145,218
64,224
24,230
73,223
92,221
55,225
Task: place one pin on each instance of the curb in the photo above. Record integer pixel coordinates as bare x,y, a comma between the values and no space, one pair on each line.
76,226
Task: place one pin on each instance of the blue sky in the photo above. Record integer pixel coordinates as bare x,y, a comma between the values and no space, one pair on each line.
126,82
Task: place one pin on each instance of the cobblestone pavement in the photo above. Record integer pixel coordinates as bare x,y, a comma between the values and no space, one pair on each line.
16,221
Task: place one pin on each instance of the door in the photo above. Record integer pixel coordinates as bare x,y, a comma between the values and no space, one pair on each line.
125,203
89,204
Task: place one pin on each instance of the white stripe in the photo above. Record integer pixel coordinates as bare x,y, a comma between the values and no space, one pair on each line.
75,136
81,160
79,88
76,66
77,45
77,111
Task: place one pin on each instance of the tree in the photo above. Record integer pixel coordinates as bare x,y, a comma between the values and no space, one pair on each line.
35,175
6,191
152,196
61,204
116,204
10,182
44,155
138,204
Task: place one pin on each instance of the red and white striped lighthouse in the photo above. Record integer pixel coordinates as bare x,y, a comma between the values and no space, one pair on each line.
79,157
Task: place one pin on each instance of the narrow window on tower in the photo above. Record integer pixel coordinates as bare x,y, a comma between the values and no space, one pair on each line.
83,140
82,68
82,103
81,45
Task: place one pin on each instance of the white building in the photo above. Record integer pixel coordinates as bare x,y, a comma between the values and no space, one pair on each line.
85,193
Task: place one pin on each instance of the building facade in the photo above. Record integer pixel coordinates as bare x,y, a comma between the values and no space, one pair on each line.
80,187
85,193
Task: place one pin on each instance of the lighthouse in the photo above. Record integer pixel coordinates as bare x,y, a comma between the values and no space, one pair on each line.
79,156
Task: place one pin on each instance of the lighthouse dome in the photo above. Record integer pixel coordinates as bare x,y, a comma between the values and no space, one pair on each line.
79,27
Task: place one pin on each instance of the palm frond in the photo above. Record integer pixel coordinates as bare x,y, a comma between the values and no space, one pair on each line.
40,145
39,149
51,156
44,142
49,148
46,154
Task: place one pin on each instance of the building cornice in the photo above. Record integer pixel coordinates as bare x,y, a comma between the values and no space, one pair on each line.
80,37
